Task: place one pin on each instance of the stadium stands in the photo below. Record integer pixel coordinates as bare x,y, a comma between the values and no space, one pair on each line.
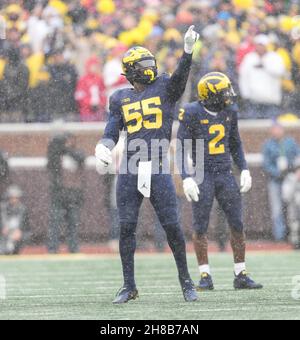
49,43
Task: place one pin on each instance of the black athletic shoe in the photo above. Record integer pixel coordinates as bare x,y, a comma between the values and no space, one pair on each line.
189,290
206,283
125,295
243,281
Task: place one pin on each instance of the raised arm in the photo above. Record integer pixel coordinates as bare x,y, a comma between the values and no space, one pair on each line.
178,80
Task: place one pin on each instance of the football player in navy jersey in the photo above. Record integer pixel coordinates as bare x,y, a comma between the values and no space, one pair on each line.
146,113
214,119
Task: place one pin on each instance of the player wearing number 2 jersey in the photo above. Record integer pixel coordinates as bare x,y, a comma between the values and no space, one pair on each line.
214,120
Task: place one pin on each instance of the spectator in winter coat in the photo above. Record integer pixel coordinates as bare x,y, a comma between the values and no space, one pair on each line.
261,74
14,223
291,196
14,86
4,174
90,93
63,80
67,182
280,153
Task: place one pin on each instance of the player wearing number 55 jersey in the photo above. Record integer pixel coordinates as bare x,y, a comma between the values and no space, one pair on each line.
146,112
214,120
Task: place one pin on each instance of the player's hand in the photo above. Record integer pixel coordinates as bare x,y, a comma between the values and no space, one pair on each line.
190,39
246,181
103,157
191,190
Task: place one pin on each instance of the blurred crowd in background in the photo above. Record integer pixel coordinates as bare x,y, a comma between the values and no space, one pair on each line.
62,59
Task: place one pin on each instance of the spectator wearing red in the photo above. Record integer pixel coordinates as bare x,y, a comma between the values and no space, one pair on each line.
91,94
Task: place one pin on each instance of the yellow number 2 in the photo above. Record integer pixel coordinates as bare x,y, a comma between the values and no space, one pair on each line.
214,148
136,112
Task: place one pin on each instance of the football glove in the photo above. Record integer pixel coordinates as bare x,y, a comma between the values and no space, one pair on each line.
190,39
103,157
246,181
191,190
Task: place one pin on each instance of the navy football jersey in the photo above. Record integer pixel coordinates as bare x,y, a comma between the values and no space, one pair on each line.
149,114
220,134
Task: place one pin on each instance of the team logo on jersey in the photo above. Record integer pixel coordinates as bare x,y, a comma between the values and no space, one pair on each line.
126,100
204,121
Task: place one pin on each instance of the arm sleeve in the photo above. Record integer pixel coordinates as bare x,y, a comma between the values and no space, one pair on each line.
184,133
114,126
177,83
236,145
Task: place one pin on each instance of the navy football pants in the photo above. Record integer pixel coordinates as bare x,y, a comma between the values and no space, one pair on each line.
163,199
223,186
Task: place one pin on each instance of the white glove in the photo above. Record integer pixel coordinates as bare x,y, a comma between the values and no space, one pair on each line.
191,190
103,157
246,181
190,39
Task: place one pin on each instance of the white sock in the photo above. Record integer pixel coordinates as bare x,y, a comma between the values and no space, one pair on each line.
239,267
204,269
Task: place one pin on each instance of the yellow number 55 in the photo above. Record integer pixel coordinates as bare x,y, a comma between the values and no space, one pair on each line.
135,114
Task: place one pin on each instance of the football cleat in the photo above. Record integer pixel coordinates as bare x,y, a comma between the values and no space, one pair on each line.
125,295
206,283
243,281
188,290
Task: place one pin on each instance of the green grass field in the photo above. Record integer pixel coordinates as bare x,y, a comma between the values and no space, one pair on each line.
83,287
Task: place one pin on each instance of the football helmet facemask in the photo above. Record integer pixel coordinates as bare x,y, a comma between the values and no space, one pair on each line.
139,66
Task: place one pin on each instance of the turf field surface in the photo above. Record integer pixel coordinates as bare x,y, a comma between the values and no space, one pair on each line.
82,287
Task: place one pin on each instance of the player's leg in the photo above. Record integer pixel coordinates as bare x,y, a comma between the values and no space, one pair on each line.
201,215
73,219
56,217
229,197
164,201
129,201
294,221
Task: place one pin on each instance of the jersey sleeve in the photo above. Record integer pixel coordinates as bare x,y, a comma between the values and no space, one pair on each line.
184,148
115,123
236,145
177,82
